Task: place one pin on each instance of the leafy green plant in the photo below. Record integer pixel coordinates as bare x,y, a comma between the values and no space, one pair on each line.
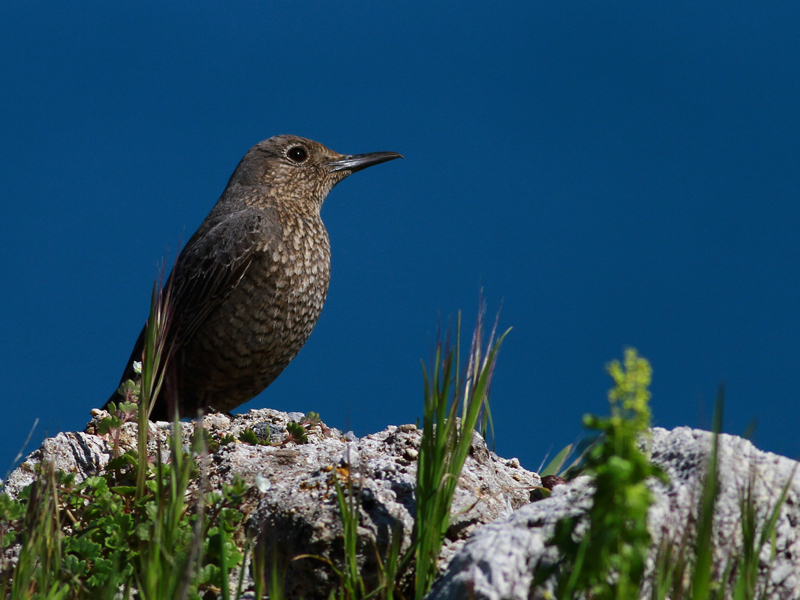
604,553
297,433
158,544
608,561
248,436
138,531
134,527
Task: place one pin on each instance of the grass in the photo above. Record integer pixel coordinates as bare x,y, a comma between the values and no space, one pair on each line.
686,570
39,560
446,441
455,406
141,530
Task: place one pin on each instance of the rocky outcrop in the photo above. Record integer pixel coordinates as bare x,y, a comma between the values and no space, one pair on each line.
293,510
500,559
497,538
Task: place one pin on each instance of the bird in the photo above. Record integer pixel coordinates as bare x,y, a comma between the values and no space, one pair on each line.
248,287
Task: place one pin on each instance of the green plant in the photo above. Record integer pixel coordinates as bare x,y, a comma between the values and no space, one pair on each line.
134,527
297,433
141,530
555,466
686,570
270,580
353,587
248,436
446,440
36,574
167,544
608,561
604,553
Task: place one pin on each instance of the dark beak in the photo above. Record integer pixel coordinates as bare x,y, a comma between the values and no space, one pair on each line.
356,162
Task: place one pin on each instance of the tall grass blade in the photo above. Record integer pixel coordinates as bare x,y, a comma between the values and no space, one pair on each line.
704,547
348,507
446,441
155,359
554,466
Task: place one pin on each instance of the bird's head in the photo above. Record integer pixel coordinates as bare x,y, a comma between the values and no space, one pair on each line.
298,170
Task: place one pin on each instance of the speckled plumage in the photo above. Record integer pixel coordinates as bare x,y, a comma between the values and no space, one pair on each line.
250,284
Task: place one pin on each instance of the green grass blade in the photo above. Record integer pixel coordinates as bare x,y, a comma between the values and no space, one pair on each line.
554,466
704,548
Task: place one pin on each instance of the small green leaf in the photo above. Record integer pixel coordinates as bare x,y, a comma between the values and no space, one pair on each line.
107,424
248,437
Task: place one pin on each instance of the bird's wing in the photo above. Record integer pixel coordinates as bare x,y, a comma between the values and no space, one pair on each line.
213,262
208,268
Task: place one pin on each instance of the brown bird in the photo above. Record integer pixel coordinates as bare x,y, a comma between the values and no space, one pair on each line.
249,285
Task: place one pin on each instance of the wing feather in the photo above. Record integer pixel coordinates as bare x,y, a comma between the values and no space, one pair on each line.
213,263
210,266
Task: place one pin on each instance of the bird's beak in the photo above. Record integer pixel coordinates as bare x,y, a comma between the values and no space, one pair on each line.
356,162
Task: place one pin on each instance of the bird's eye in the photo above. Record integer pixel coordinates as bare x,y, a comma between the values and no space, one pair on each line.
297,154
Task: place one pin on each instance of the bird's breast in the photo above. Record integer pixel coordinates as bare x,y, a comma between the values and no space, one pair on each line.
265,320
300,262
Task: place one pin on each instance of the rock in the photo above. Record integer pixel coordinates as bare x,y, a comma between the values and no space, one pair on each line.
500,559
74,452
293,510
299,514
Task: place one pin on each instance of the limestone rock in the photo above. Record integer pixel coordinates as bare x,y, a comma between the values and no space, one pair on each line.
499,560
293,509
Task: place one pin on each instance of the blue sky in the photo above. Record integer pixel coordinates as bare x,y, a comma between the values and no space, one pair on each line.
612,174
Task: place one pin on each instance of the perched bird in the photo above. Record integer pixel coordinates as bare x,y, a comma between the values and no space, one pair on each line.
249,285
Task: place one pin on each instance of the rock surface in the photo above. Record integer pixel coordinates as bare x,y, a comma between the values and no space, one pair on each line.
499,560
294,510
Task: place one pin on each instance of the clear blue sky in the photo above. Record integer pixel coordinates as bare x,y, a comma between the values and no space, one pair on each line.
613,174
